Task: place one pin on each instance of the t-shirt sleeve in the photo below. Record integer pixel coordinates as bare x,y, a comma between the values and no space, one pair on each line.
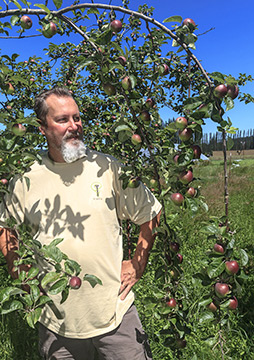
12,205
137,204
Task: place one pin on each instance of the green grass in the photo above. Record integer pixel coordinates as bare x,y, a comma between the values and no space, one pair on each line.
19,342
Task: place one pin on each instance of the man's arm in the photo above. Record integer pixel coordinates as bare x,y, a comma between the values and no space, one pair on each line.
8,246
132,270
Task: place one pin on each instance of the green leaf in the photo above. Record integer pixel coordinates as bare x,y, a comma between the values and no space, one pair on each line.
214,271
34,292
17,4
229,102
14,19
230,143
50,277
93,11
207,316
43,300
175,18
218,76
10,306
33,316
92,279
9,291
244,257
56,242
65,294
123,127
211,341
210,229
205,302
43,7
59,286
58,3
33,272
72,266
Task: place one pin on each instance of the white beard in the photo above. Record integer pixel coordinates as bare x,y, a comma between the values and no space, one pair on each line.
72,151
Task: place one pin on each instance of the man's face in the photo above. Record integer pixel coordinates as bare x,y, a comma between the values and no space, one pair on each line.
63,125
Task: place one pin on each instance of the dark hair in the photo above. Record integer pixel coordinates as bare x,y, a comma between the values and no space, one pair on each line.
40,105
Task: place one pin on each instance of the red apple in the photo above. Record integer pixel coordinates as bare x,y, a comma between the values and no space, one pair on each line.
196,151
232,267
49,30
180,258
232,91
212,307
18,129
171,303
218,249
109,89
181,122
75,282
233,303
175,158
136,139
221,289
177,198
186,176
186,134
9,88
188,21
220,91
191,192
116,26
126,83
4,181
26,22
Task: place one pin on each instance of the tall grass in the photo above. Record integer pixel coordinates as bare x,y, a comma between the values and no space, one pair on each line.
19,342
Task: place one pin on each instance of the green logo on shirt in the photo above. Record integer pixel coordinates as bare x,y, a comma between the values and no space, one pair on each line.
96,186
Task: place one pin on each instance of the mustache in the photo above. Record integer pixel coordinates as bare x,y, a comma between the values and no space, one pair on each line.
70,135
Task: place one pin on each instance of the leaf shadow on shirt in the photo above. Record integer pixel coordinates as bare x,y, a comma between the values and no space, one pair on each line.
54,219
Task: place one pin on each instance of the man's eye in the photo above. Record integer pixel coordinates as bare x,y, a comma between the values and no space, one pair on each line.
77,118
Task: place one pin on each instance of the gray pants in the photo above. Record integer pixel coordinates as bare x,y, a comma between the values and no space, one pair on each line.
127,342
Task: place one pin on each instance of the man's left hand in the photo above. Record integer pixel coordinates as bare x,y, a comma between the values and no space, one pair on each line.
130,274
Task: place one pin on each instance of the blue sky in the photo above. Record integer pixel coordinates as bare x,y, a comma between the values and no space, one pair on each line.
228,48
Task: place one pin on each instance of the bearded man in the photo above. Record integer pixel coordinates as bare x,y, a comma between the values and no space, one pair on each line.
76,194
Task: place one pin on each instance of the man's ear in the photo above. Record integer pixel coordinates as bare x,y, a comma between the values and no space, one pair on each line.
41,127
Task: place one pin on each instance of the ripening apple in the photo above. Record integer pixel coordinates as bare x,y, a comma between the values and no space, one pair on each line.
181,343
174,246
4,181
233,303
154,183
180,258
186,134
26,22
221,289
122,60
181,122
150,103
219,249
220,91
145,117
232,91
175,158
164,69
18,129
212,307
185,177
49,30
75,282
188,21
136,139
116,26
171,303
109,89
232,267
126,83
9,89
177,198
196,151
133,183
191,192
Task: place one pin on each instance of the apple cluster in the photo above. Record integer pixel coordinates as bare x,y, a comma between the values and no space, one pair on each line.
223,288
48,30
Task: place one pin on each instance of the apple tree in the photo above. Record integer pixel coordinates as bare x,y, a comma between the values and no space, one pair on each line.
124,69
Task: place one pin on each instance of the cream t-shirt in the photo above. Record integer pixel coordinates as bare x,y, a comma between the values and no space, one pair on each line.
83,203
